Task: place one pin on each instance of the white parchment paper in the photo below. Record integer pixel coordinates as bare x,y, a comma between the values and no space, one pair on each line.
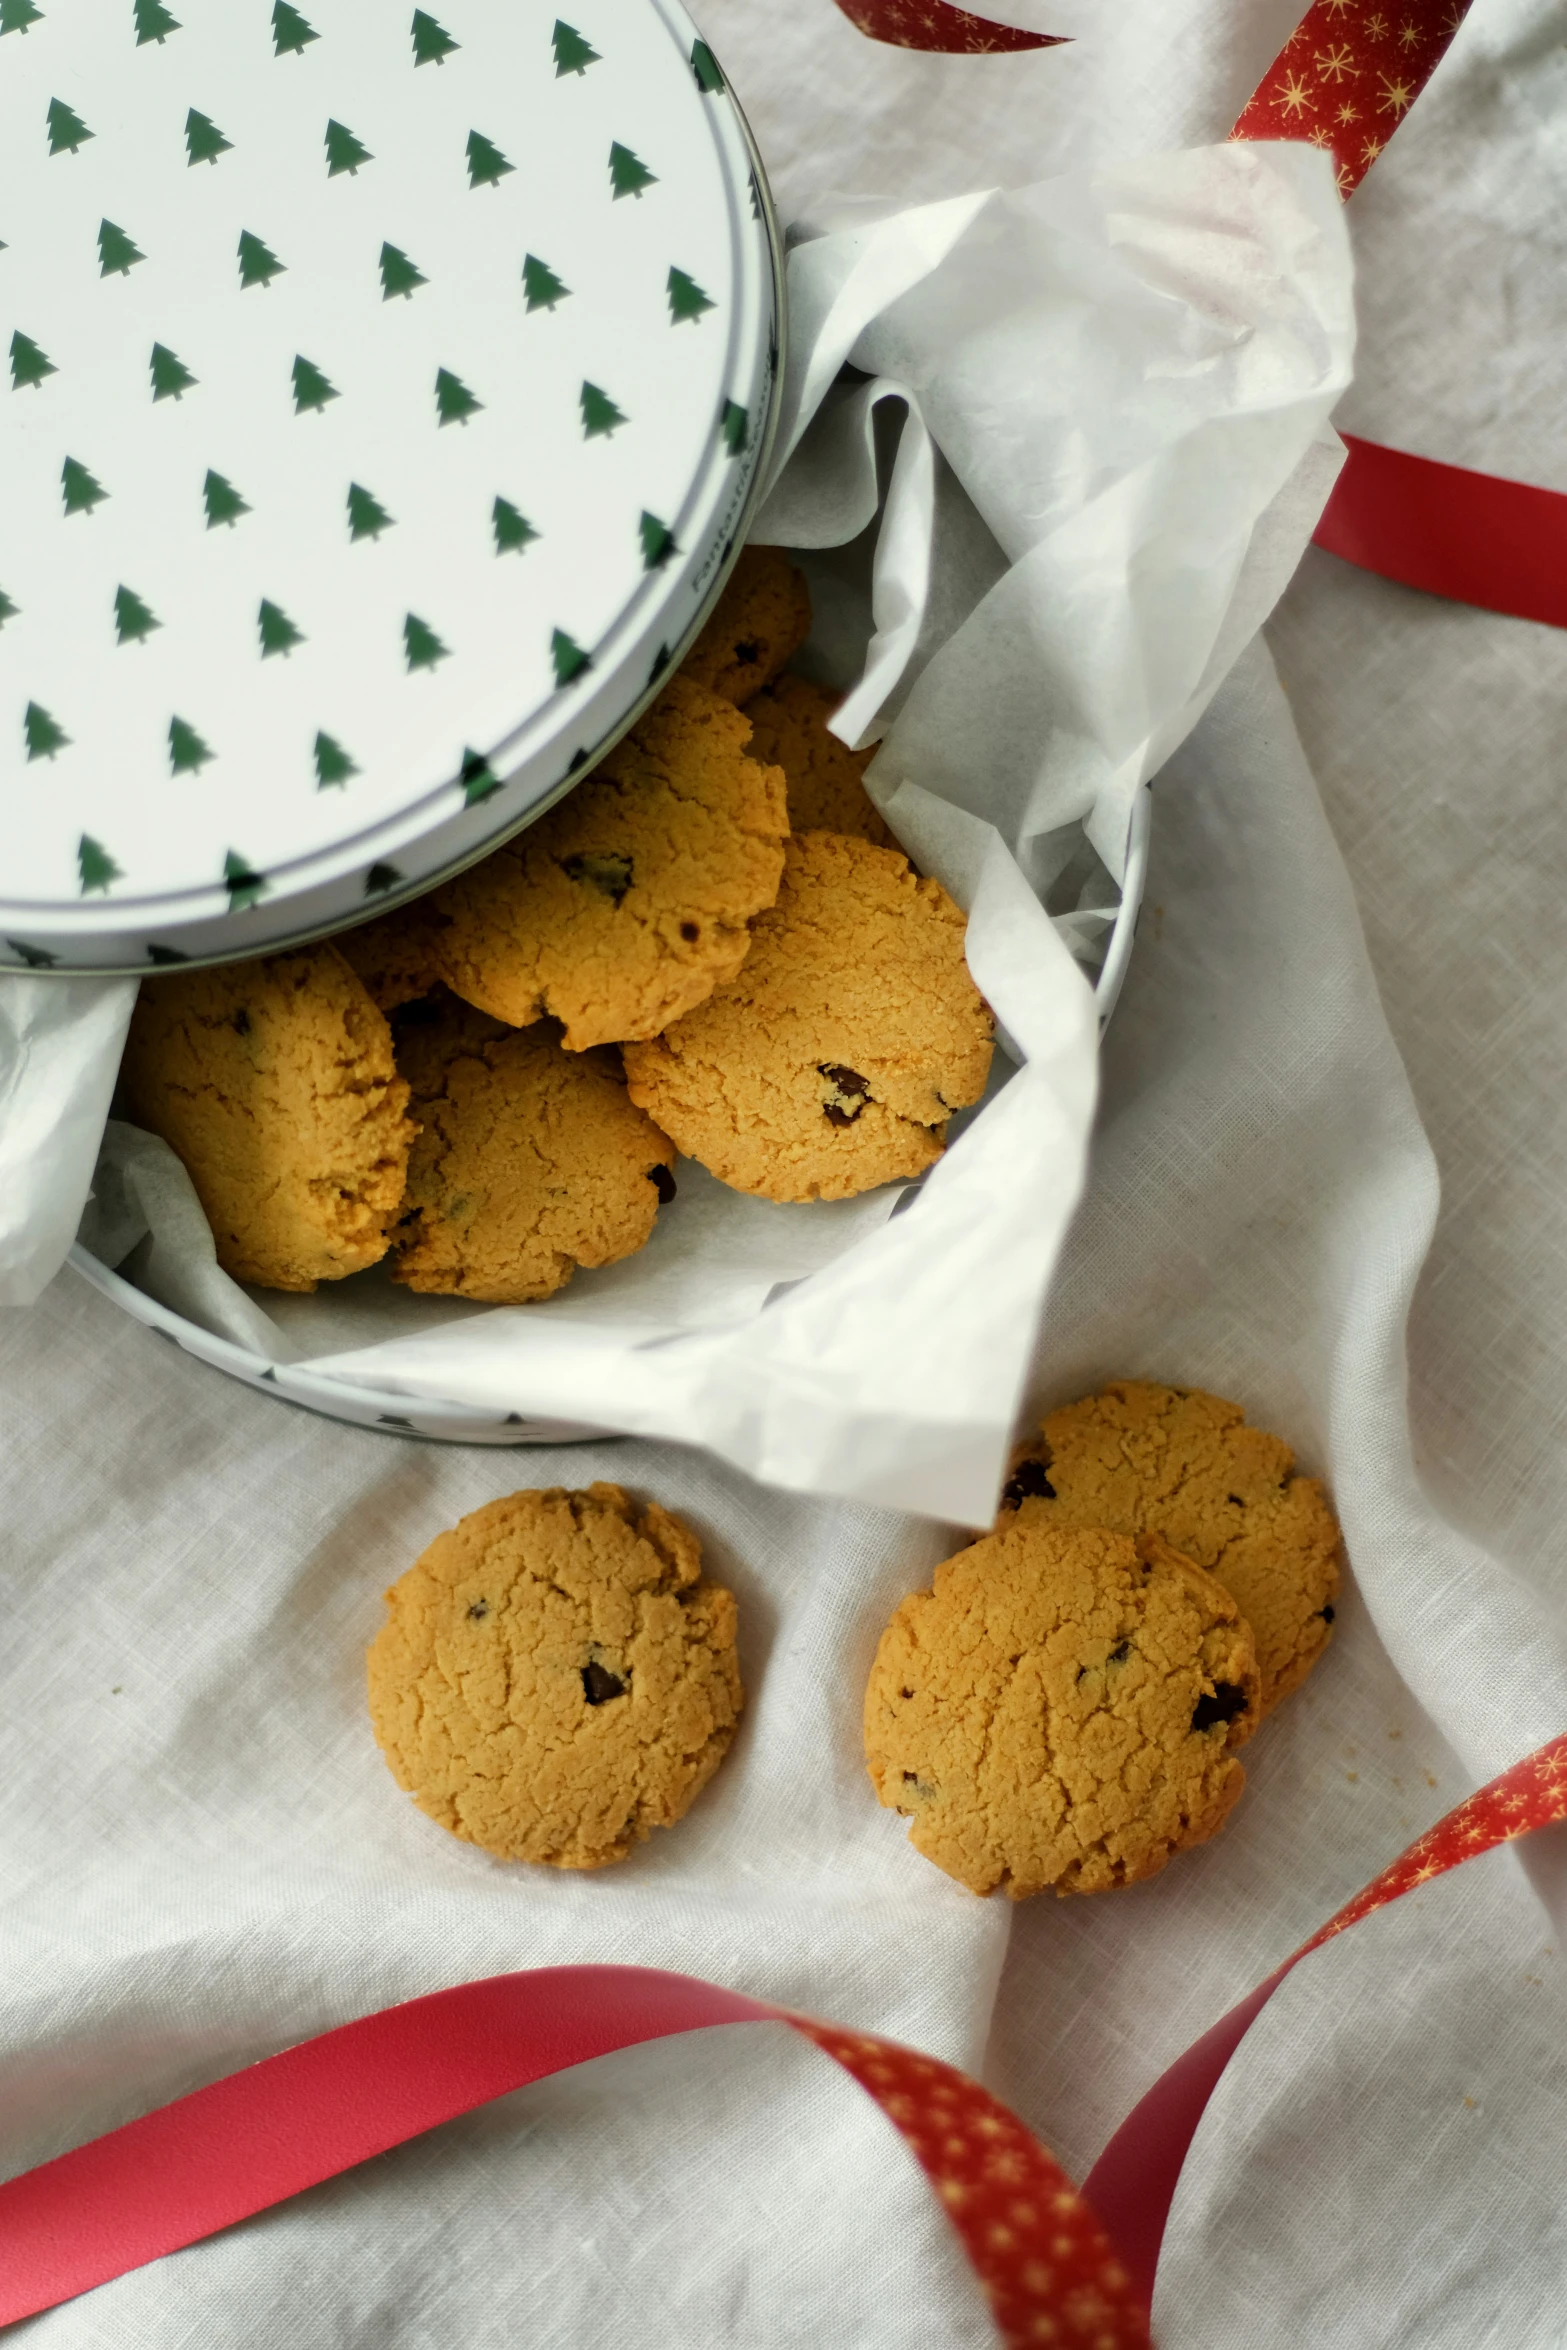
1053,455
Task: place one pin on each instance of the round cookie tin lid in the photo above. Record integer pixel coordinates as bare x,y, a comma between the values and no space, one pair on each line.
385,391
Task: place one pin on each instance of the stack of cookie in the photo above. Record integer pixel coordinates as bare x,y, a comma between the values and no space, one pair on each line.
1061,1710
711,945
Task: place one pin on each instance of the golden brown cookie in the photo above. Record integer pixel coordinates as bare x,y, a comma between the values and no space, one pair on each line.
273,1082
554,1679
628,902
530,1161
1186,1465
1061,1710
760,622
824,777
394,956
832,1061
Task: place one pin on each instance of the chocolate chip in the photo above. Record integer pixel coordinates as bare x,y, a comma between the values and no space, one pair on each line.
663,1183
599,1685
1027,1481
1223,1706
1118,1656
242,1022
913,1779
603,869
748,652
905,1693
837,1117
1327,1613
479,1610
1235,1497
690,932
847,1081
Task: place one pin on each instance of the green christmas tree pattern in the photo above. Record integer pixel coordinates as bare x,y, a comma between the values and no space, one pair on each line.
8,610
134,621
686,298
188,754
658,542
42,732
628,174
278,633
311,388
204,142
79,489
367,517
165,957
513,531
258,265
95,865
171,378
478,778
432,43
29,365
454,403
17,15
333,765
542,289
66,128
240,878
344,152
118,254
222,500
709,80
290,33
735,426
567,656
422,648
153,21
486,164
572,53
399,275
36,958
599,412
378,880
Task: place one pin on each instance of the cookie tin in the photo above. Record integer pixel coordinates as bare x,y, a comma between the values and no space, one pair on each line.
383,396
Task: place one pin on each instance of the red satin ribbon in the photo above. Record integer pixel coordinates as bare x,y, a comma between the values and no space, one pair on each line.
1055,2267
1472,537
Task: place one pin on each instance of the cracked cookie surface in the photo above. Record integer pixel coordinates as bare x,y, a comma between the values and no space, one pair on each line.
759,623
823,776
1060,1710
629,902
394,956
831,1062
530,1161
1187,1466
273,1082
554,1679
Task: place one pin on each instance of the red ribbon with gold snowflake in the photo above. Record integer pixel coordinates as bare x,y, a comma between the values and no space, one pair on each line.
935,24
1348,75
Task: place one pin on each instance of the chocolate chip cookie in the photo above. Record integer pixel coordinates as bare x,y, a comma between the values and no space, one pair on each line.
273,1082
1061,1710
630,901
554,1680
832,1060
758,624
1185,1465
824,777
530,1161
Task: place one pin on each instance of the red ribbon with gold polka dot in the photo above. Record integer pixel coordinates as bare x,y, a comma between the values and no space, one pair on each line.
1056,2267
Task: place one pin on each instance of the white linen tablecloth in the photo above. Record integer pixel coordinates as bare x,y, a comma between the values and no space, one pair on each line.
1350,987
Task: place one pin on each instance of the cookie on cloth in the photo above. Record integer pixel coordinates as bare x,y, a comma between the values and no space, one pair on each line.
1183,1464
1061,1710
554,1679
629,901
824,777
394,956
530,1161
758,624
832,1060
273,1082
